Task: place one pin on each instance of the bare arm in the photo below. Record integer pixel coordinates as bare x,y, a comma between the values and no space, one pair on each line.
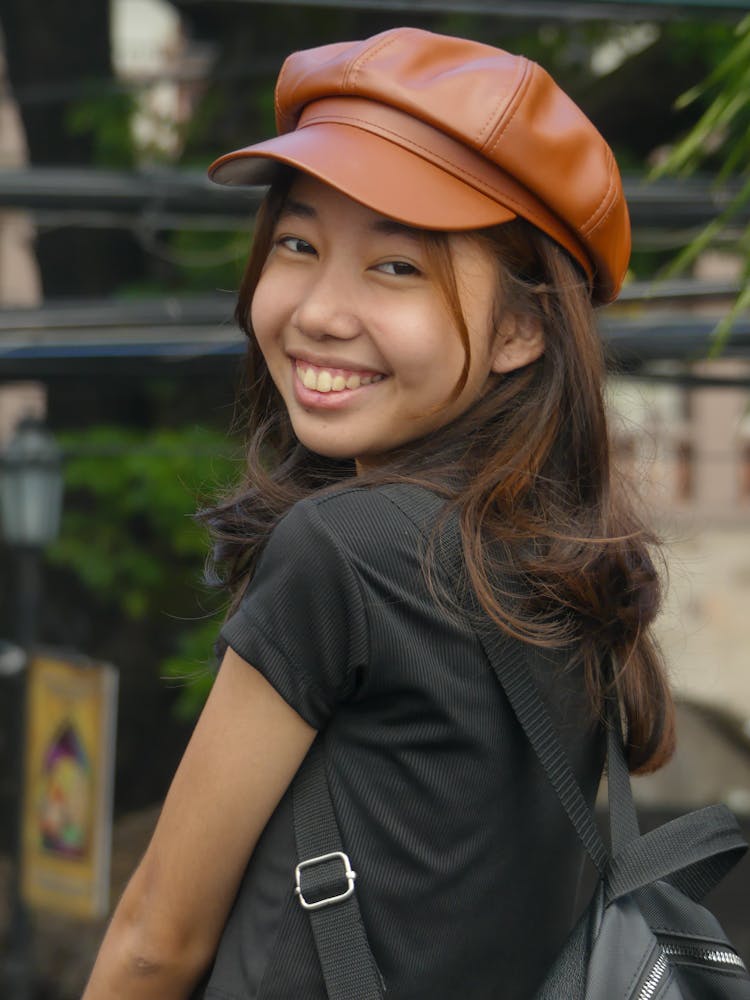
245,750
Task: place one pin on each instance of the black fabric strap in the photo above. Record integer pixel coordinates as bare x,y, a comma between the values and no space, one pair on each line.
348,966
693,852
508,659
623,818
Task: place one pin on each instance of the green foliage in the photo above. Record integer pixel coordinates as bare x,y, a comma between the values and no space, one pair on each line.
207,260
697,41
129,534
107,118
210,107
190,668
199,261
725,124
722,131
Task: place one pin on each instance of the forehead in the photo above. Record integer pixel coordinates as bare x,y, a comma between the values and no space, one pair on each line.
310,198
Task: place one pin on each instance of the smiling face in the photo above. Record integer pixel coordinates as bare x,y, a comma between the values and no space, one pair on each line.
355,330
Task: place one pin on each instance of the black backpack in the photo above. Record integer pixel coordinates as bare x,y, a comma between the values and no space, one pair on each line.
644,934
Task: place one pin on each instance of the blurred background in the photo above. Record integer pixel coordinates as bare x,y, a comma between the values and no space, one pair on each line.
118,269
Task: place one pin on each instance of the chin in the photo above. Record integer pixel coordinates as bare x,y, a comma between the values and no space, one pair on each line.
342,455
339,451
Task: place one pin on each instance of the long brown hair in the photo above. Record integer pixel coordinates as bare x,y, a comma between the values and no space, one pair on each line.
527,468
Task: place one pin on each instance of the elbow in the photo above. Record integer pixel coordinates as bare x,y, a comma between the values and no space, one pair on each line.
142,964
168,975
147,951
143,961
157,960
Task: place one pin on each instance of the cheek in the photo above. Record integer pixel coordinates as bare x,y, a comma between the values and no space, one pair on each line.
270,311
427,349
262,312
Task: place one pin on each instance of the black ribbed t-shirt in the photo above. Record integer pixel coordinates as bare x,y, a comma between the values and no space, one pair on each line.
467,866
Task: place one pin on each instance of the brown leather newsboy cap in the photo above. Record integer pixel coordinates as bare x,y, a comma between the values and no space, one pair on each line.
449,134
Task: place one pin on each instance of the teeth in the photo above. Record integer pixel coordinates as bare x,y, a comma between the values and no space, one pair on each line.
323,381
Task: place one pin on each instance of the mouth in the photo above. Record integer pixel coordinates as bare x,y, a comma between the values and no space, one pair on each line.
319,378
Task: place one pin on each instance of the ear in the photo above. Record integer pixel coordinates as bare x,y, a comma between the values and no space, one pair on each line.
518,342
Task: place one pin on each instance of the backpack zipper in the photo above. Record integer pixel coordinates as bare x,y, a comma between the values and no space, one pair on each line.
706,954
653,980
693,951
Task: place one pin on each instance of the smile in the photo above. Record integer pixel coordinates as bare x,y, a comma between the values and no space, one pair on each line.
333,379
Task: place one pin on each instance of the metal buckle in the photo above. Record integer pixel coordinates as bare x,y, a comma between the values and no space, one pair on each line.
350,877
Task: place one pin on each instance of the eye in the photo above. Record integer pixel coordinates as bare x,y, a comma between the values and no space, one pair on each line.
295,244
398,268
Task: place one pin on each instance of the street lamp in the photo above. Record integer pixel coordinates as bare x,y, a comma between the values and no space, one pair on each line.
30,506
31,486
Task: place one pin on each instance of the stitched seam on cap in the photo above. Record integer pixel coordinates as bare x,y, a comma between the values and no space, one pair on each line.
366,126
604,206
276,101
510,112
513,204
352,72
600,222
508,103
602,210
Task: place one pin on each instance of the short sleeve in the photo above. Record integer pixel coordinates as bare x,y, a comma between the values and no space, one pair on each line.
301,623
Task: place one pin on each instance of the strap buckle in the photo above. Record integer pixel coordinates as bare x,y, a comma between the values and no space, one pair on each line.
330,900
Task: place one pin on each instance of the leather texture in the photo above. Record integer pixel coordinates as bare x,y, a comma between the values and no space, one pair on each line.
620,947
448,133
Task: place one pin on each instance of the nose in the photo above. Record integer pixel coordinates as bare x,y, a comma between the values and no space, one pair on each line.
328,307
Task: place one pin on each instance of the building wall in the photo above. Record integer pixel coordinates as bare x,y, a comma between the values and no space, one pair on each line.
689,452
19,276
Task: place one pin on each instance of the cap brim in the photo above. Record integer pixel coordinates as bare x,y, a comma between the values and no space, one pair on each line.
380,174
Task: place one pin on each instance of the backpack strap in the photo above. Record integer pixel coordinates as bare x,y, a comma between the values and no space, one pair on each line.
325,887
508,658
692,852
623,818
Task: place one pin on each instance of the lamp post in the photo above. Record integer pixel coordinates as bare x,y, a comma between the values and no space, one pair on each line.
30,507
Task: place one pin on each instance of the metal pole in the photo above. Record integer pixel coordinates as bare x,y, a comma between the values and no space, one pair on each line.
18,961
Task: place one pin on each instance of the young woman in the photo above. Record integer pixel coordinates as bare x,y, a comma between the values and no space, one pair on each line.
440,221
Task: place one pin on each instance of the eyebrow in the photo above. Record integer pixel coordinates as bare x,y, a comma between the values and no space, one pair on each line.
392,228
298,208
389,227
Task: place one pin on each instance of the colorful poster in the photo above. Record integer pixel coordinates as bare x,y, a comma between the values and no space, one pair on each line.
68,782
